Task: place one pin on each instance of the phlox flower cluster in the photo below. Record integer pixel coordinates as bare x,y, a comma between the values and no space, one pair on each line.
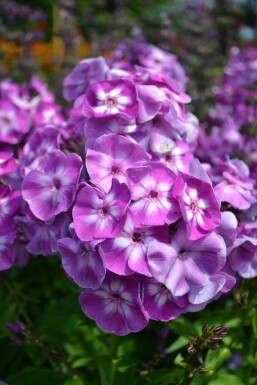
141,225
230,153
30,125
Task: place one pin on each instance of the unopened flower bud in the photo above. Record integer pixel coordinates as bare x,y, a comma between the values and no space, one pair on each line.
220,330
202,369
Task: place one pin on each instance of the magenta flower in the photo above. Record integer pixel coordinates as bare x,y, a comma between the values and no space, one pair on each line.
99,216
198,203
236,187
151,191
14,122
159,303
48,113
51,189
116,306
110,98
176,155
243,258
111,157
41,142
184,264
82,263
126,253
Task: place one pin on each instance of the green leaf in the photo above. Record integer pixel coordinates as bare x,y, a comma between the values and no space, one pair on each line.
105,369
179,343
81,362
215,359
32,376
226,379
160,377
182,326
179,360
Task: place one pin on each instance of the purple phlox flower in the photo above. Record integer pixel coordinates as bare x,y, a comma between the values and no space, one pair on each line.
7,161
42,237
243,258
236,186
37,85
8,89
176,155
197,200
158,301
96,127
112,97
14,122
215,285
111,157
162,62
51,189
116,306
126,253
48,113
100,216
88,71
10,202
82,262
41,141
161,124
7,236
151,193
184,264
241,69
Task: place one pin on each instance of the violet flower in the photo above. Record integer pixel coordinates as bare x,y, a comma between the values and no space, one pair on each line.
100,216
116,306
51,189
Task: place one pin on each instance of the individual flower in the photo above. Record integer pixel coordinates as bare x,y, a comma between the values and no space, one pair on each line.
116,306
236,187
198,204
82,262
109,98
151,193
97,215
243,258
111,157
184,264
126,253
159,303
40,142
14,122
51,189
176,155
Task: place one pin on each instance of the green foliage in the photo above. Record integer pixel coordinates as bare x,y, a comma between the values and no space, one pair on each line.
66,348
